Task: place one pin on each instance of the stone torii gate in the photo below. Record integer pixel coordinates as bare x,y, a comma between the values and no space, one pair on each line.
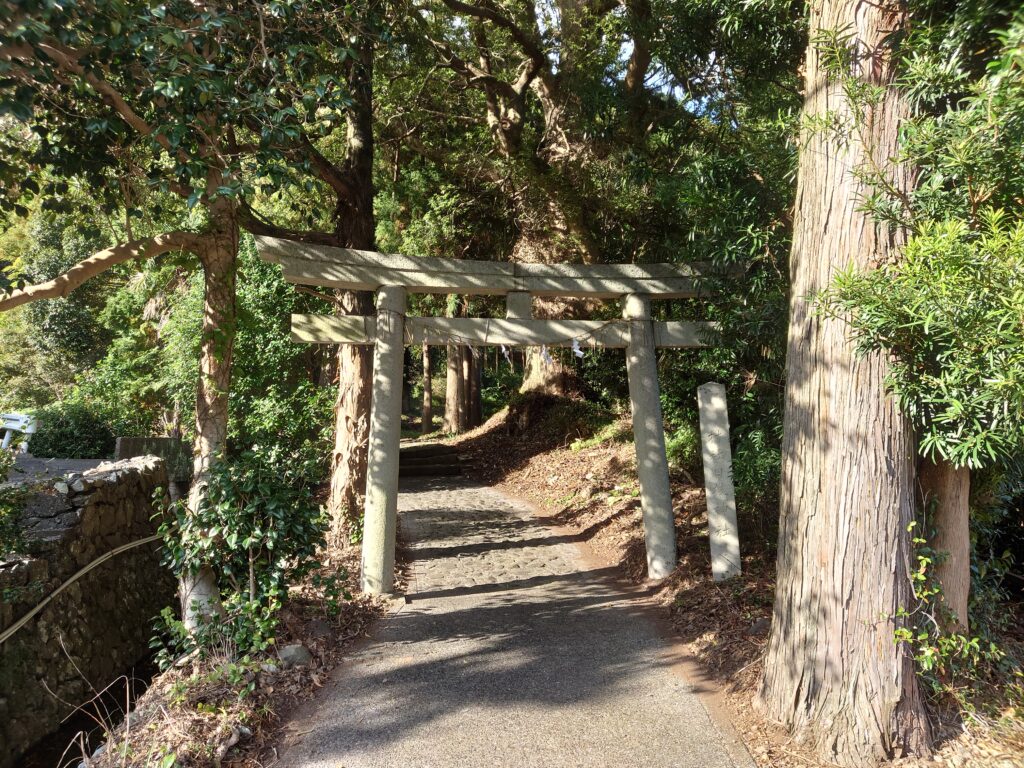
393,276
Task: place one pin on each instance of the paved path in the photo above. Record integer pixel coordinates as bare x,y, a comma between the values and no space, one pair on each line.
510,651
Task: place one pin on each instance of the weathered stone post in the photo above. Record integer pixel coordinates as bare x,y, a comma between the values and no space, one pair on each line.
649,438
381,521
718,484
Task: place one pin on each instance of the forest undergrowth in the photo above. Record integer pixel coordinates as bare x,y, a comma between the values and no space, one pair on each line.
223,711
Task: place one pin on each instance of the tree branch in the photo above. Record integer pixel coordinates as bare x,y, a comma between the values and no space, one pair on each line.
333,176
486,11
254,225
98,263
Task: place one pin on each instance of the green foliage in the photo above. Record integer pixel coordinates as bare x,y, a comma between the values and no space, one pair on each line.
953,664
67,331
970,153
11,501
756,465
275,397
7,459
614,432
948,312
574,419
498,388
682,446
259,526
185,77
72,429
333,590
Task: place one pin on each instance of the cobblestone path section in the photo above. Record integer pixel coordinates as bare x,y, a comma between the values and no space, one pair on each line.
510,651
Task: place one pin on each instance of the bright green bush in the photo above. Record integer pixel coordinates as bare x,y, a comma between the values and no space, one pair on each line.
949,315
260,526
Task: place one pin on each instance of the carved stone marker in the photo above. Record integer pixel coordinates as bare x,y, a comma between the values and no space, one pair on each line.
721,495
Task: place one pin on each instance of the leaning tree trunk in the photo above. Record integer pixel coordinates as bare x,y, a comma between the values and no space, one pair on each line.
198,589
948,488
834,674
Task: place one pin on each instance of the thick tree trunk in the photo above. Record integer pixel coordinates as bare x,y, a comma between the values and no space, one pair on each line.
427,418
351,424
198,590
355,224
946,489
834,675
454,397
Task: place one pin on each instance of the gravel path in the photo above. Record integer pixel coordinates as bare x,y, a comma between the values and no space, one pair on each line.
510,651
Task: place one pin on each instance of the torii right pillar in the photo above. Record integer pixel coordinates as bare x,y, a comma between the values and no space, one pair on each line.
649,438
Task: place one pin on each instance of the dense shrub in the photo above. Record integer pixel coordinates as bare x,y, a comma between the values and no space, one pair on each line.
260,526
682,447
72,429
948,314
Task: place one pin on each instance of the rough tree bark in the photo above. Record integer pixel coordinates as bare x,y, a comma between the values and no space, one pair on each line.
407,380
948,488
834,675
466,389
476,405
355,225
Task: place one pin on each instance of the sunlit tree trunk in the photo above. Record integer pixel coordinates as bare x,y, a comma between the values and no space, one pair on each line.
218,254
834,675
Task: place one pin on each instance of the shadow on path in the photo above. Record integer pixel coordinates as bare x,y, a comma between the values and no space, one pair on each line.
510,651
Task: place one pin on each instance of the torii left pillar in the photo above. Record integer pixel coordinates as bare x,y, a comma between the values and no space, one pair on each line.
381,519
649,439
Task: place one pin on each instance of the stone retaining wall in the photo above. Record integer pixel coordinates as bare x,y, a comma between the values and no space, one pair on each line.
100,626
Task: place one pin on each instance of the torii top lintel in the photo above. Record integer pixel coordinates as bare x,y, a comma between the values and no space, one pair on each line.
349,269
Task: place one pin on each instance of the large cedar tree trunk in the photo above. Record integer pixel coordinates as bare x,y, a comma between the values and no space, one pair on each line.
945,489
198,590
834,675
355,224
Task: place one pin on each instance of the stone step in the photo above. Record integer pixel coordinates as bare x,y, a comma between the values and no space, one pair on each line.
421,461
430,470
427,449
